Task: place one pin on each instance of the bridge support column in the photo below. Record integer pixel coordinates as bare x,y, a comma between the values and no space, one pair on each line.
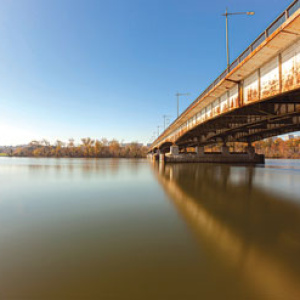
174,150
150,156
251,151
199,150
225,150
161,157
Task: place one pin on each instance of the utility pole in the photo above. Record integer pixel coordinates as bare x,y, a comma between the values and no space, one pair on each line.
165,120
227,45
179,95
249,13
158,130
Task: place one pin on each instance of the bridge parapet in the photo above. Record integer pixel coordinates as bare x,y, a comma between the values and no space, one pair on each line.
268,68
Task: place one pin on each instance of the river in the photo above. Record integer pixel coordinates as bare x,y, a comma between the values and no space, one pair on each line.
128,229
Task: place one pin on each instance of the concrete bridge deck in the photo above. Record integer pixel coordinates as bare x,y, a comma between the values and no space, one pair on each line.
256,97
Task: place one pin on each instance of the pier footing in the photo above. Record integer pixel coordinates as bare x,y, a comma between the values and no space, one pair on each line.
215,157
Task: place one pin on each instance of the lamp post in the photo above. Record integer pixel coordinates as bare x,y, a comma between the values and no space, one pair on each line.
179,95
155,134
166,120
158,130
249,13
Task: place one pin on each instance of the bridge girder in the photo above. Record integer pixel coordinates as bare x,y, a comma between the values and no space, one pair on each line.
251,123
247,98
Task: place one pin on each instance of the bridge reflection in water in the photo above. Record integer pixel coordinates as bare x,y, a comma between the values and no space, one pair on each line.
256,233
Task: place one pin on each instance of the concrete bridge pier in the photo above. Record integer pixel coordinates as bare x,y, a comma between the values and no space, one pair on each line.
251,151
199,151
199,156
161,165
161,157
174,150
225,150
153,156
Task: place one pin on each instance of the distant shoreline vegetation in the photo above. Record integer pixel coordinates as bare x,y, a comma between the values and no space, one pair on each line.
88,148
279,148
271,148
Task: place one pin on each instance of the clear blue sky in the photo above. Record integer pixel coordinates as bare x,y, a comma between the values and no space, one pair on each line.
110,68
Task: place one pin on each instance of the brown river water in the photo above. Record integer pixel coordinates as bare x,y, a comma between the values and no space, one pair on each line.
130,229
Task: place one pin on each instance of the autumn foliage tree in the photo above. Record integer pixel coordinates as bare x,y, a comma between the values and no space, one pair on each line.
87,148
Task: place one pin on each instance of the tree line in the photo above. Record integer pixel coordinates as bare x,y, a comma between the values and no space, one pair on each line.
279,148
270,147
87,148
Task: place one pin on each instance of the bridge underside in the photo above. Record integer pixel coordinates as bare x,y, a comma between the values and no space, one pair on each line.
256,97
248,124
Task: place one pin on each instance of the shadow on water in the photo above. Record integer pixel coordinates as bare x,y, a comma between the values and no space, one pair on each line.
251,230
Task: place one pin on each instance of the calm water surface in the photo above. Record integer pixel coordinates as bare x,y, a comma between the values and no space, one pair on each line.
127,229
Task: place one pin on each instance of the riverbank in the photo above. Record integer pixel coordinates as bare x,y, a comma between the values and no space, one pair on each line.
88,148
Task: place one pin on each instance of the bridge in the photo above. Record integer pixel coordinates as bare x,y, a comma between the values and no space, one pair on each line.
256,97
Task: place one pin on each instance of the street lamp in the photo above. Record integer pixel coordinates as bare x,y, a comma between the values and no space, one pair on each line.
166,120
179,95
249,13
158,130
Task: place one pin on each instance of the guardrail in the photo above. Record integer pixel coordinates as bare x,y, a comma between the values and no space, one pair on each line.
258,41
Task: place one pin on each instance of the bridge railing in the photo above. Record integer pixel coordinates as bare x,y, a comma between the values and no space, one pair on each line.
258,41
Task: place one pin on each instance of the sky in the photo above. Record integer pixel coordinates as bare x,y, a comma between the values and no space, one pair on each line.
111,68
